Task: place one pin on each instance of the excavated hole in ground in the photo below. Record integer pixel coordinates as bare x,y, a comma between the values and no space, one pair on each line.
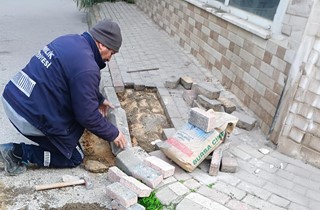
145,115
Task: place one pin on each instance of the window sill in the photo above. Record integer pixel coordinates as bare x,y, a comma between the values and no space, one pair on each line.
242,23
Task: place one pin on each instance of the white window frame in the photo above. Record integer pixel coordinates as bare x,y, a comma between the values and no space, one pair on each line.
274,26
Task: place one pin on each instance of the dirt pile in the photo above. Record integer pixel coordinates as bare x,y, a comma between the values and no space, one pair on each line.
146,119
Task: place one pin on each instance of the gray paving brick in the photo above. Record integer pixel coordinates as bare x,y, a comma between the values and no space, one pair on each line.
196,201
117,206
171,192
147,175
263,165
276,162
230,190
186,82
285,174
181,175
294,206
306,182
159,165
111,95
245,165
206,89
213,194
275,179
260,204
215,161
228,178
166,181
254,190
203,177
172,82
166,101
202,119
192,184
136,186
227,104
245,121
300,189
178,123
123,195
229,164
314,205
162,92
172,112
168,132
114,174
279,201
286,193
129,163
315,195
236,205
251,178
162,156
298,171
189,96
239,153
250,150
126,160
209,103
298,163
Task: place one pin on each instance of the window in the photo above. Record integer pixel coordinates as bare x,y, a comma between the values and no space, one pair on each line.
267,14
263,8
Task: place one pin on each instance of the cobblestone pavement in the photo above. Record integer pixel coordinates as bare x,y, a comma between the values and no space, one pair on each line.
149,57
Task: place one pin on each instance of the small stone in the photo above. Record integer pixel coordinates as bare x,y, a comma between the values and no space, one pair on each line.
281,166
257,171
264,151
95,166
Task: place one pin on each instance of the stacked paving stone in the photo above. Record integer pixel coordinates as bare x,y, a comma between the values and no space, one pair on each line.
126,187
205,99
206,96
205,121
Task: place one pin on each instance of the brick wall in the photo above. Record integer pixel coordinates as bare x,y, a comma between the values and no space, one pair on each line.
258,71
254,69
300,134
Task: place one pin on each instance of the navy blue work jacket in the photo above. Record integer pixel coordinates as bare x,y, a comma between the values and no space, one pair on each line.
58,92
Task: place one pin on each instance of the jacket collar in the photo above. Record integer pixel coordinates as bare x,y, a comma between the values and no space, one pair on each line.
95,50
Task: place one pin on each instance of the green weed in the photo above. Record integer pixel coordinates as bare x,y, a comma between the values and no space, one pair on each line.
151,202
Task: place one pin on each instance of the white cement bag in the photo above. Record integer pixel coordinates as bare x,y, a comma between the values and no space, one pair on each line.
189,146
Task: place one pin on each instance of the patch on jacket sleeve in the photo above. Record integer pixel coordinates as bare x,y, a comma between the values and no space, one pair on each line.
24,83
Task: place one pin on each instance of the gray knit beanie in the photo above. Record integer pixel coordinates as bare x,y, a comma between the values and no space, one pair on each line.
107,33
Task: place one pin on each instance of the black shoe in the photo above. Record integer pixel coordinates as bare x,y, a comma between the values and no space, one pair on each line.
12,164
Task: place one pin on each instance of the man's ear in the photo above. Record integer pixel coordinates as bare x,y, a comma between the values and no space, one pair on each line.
101,46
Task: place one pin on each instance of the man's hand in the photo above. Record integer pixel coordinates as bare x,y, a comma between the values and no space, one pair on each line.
103,108
120,141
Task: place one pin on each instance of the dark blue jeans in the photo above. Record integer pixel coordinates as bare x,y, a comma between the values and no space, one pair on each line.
47,155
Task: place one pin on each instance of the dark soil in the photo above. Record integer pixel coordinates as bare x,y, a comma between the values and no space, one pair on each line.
146,117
